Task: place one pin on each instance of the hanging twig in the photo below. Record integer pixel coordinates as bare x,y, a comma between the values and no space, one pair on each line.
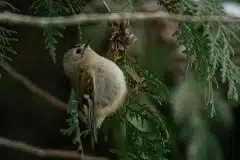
106,6
37,91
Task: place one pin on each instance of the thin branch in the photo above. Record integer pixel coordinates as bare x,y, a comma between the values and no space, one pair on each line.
37,91
106,6
94,17
18,145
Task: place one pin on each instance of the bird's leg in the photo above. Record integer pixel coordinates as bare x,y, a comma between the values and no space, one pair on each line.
85,108
86,113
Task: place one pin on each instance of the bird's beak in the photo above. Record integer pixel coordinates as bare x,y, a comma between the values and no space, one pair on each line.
78,45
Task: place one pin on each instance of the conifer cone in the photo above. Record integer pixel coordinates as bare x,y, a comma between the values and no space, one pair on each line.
121,39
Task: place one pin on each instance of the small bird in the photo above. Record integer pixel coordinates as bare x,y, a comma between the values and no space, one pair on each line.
104,83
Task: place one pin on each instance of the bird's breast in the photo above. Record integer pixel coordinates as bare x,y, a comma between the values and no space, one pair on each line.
109,84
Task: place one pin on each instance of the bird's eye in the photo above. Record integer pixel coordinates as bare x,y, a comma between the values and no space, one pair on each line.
78,51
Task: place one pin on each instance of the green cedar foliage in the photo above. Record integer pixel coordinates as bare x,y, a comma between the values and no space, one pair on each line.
209,44
7,36
52,8
73,121
148,138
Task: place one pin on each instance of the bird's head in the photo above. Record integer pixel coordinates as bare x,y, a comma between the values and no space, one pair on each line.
79,57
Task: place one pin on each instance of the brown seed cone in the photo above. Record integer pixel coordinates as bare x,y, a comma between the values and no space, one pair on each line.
121,39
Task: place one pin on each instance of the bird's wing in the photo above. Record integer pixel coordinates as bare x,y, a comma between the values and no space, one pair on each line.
78,85
91,108
84,90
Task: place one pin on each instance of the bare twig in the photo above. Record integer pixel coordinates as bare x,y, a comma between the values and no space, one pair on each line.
94,17
45,152
106,6
36,90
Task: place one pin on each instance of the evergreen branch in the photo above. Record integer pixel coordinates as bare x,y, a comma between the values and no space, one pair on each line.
151,139
210,45
143,144
36,90
73,122
18,145
51,33
6,35
76,7
94,17
72,109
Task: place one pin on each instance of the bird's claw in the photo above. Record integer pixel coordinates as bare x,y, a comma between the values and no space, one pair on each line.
85,132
